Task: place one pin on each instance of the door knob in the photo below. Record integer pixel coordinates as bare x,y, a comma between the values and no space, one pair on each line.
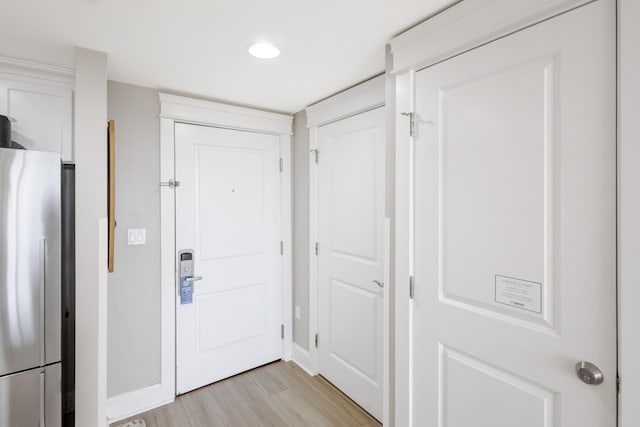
379,283
589,373
193,279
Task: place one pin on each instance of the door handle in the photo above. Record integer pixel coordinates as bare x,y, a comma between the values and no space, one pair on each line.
589,373
193,279
379,283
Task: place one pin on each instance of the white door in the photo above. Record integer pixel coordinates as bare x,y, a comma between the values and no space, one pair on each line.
228,213
351,256
515,229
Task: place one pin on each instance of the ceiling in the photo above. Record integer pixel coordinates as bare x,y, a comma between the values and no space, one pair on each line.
199,47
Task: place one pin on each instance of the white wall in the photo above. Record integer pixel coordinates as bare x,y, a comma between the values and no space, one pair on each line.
300,185
90,125
133,358
629,210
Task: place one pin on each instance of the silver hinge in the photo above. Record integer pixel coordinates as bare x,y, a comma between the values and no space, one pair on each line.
282,331
315,153
281,164
316,248
412,288
281,247
171,183
618,381
412,123
316,340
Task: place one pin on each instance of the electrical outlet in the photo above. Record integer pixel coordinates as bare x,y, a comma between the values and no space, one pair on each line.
297,312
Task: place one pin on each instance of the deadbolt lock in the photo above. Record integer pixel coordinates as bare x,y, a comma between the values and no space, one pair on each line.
589,373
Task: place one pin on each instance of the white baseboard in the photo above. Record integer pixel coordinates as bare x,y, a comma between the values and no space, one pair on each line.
136,402
303,359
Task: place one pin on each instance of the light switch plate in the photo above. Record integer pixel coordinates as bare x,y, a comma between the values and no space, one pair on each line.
297,312
136,236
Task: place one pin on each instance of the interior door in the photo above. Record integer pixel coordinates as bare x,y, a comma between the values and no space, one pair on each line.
515,229
228,215
351,256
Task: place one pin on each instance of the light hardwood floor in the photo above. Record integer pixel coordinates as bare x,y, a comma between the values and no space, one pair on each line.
280,394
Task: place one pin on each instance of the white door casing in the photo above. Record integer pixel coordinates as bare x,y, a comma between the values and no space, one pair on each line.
351,256
514,228
228,212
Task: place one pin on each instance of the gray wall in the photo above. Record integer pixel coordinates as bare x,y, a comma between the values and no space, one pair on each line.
300,184
133,358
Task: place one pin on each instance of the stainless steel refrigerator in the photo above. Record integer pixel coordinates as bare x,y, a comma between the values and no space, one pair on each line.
30,275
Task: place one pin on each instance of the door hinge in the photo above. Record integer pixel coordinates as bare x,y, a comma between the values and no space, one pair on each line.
618,381
171,183
412,287
315,153
281,164
282,331
316,340
281,247
412,123
316,248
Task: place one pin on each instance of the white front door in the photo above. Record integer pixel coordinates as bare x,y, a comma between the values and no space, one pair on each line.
228,213
351,256
515,229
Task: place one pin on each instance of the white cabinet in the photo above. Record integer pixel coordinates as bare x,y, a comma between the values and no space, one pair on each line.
40,100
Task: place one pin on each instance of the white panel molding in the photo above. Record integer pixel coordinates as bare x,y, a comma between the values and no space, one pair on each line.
129,404
403,367
628,211
196,111
23,70
175,109
467,25
302,358
363,97
103,279
287,223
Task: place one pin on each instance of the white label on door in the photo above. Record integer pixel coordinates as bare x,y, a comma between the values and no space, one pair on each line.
519,293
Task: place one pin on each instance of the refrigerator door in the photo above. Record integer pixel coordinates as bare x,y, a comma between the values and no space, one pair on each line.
29,259
31,398
21,399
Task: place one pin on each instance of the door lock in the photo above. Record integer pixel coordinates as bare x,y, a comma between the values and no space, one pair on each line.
589,373
185,276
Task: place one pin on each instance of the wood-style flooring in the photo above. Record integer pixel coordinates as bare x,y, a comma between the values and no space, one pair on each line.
280,394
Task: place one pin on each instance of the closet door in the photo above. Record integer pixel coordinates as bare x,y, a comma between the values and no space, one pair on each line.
515,229
351,256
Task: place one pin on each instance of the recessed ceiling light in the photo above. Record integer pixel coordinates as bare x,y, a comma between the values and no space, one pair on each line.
263,50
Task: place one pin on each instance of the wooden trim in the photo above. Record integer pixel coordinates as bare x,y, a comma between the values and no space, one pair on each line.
198,111
129,404
628,211
286,233
21,69
302,358
363,97
402,369
467,25
111,190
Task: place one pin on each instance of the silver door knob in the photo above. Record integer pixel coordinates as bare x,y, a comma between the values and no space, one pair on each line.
589,373
193,279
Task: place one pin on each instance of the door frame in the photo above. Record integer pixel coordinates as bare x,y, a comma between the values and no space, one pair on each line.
361,98
178,109
455,30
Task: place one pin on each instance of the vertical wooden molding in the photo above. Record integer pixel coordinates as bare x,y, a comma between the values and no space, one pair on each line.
111,177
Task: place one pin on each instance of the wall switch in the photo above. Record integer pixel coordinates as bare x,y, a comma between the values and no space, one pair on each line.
136,236
297,312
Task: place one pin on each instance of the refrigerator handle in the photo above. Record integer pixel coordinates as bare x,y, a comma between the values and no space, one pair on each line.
43,283
42,397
